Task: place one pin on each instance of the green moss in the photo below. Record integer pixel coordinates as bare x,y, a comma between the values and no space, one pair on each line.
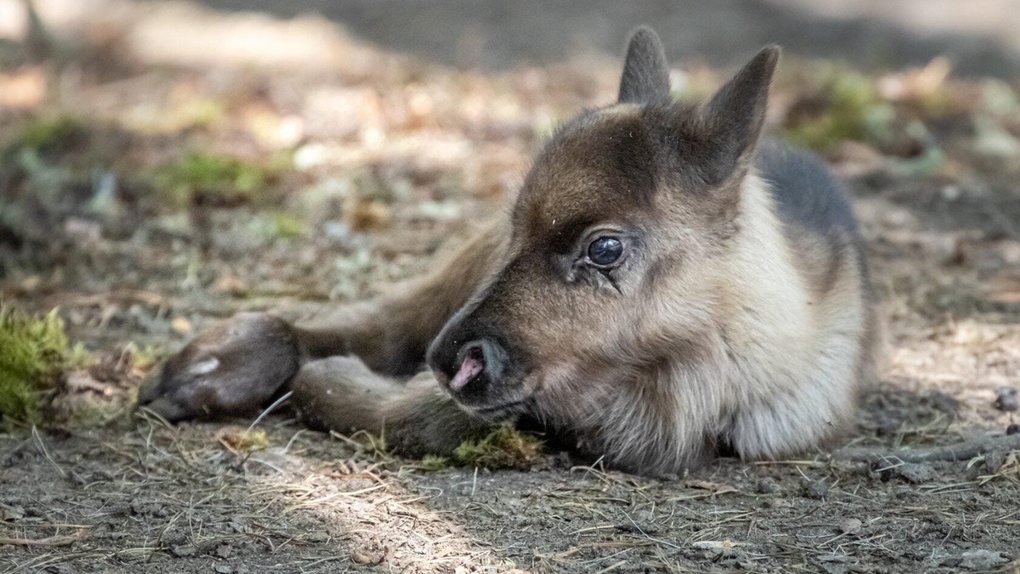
89,412
211,174
503,447
52,135
204,112
146,357
269,226
288,226
245,441
35,354
432,463
500,447
371,444
853,111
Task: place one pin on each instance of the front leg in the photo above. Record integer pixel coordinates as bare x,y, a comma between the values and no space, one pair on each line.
234,368
237,366
416,418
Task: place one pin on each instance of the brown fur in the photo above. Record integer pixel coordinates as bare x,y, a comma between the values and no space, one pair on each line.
727,323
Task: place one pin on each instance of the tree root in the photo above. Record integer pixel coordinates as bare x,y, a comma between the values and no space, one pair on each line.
957,452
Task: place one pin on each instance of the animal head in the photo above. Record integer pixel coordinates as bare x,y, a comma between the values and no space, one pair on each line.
617,233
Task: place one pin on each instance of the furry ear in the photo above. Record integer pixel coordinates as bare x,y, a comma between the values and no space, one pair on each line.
645,72
735,115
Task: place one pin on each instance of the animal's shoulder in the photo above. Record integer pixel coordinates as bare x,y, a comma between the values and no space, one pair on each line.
807,194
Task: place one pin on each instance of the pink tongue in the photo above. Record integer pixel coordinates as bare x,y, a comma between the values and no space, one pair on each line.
468,370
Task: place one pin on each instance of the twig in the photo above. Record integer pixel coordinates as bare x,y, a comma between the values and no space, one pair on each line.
960,451
649,537
46,452
51,541
270,409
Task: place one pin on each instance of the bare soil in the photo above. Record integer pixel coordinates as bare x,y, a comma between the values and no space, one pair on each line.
392,160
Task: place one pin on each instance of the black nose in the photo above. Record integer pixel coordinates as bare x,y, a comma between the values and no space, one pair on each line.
468,371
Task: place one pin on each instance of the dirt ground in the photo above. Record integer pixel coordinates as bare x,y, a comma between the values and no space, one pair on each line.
358,165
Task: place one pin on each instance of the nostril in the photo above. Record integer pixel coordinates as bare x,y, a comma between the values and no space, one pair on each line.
470,364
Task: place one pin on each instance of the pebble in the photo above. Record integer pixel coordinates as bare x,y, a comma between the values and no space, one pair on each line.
818,490
851,526
994,461
767,485
1013,429
317,536
1006,399
184,550
916,473
981,560
951,192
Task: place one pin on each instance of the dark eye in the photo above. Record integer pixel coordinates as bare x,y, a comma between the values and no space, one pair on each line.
605,250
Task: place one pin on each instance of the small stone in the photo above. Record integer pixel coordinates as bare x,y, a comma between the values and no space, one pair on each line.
994,461
185,550
851,526
1006,399
317,536
981,559
11,513
818,490
1013,429
767,485
223,569
309,156
223,550
181,326
916,473
133,555
942,402
359,557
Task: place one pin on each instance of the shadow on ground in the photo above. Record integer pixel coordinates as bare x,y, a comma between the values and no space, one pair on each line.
493,34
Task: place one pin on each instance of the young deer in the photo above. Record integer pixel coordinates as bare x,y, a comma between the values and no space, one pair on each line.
663,289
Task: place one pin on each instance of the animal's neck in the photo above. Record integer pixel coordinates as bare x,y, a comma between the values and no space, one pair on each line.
663,415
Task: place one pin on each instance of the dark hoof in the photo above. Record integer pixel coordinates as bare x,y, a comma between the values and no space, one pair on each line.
230,370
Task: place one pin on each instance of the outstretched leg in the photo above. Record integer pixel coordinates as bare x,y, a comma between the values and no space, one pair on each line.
235,367
416,418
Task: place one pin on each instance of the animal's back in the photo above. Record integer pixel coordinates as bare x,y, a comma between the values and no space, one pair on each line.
814,209
806,193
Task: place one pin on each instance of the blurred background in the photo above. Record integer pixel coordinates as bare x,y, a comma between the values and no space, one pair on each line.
979,36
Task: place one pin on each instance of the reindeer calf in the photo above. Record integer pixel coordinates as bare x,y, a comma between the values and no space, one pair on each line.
664,289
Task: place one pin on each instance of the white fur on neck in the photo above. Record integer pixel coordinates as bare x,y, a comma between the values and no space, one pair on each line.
793,358
780,368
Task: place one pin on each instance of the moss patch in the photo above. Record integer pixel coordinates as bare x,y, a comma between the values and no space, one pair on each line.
214,176
35,355
849,108
51,135
432,463
244,441
503,447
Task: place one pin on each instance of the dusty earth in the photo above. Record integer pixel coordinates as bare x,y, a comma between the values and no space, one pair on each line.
357,166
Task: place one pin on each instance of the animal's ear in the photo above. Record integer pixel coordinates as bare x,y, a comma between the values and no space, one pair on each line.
645,72
735,115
